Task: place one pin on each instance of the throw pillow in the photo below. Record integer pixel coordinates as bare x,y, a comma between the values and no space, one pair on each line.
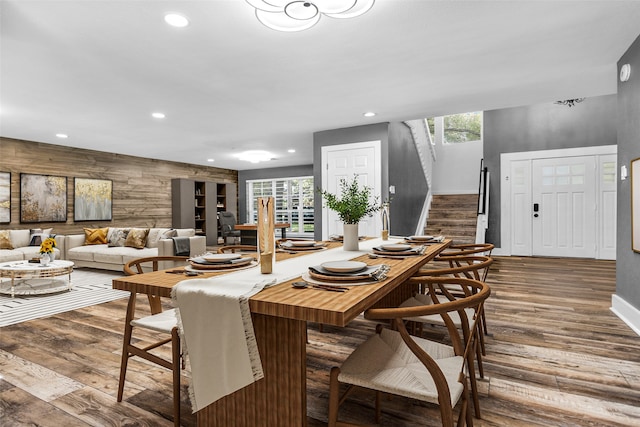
35,237
5,239
95,236
169,234
117,237
38,235
137,238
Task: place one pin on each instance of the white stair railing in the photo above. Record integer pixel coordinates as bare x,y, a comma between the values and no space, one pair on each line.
426,152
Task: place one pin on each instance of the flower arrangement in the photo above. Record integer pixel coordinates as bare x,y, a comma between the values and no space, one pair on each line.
47,246
353,204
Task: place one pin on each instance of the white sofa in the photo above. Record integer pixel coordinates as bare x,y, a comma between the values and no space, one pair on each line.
21,250
102,256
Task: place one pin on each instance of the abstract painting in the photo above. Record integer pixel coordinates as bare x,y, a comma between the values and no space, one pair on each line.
92,199
5,197
43,198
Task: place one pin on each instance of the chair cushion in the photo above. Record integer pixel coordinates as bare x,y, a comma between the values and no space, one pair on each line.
161,322
385,363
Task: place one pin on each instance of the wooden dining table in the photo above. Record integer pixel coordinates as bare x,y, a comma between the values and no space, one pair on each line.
280,314
249,236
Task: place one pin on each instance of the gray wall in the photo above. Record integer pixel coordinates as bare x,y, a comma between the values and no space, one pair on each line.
543,127
400,167
374,132
628,262
405,173
270,173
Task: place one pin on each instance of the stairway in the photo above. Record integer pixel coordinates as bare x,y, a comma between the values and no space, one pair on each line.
453,216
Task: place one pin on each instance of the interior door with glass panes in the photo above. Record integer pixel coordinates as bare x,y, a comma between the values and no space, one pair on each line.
564,207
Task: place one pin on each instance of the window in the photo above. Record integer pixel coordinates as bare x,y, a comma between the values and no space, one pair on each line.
463,127
293,202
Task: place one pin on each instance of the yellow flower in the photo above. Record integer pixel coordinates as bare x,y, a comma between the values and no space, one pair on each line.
47,246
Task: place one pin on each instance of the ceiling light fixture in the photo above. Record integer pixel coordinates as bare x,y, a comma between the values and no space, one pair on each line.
210,160
158,115
255,156
176,20
570,102
62,135
369,114
291,150
287,15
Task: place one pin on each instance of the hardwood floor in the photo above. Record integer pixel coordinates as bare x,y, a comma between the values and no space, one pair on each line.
556,356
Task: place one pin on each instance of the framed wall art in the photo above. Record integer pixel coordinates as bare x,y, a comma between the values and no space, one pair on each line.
5,197
43,198
635,205
92,199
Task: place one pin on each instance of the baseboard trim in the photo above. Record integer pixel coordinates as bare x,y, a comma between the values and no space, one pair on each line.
626,312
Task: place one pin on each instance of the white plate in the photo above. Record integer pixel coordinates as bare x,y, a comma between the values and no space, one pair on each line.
343,266
396,247
302,242
220,257
421,238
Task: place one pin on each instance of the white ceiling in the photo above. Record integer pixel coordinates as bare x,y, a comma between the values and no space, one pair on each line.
97,69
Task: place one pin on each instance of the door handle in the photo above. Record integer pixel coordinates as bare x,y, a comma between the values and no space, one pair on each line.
536,208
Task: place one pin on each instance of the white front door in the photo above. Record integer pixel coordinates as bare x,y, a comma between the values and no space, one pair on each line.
564,207
607,206
343,162
521,207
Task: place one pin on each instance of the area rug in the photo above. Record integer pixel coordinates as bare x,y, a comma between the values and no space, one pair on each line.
90,287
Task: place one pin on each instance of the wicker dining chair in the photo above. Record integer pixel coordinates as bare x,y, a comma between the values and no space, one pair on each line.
469,267
163,322
396,362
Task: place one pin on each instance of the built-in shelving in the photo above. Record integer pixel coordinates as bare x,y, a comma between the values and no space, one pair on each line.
195,204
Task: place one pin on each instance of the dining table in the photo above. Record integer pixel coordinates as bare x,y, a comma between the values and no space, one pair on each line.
249,232
280,314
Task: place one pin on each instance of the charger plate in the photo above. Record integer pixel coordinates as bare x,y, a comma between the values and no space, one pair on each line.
315,247
380,251
307,278
222,266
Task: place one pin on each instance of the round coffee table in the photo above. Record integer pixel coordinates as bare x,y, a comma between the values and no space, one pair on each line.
28,278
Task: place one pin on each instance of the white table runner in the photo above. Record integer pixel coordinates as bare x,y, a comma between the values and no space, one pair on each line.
215,323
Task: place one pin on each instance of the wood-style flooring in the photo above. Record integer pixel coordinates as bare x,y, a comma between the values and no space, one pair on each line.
556,356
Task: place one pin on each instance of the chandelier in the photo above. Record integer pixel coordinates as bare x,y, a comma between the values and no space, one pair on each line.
570,102
287,15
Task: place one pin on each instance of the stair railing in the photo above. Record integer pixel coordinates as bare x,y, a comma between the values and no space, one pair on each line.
425,147
482,222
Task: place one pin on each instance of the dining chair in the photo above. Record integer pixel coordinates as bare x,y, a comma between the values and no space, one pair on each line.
163,322
396,362
469,267
465,250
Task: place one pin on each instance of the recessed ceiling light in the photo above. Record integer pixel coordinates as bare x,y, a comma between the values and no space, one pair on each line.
369,114
176,20
291,150
62,135
255,156
158,115
210,160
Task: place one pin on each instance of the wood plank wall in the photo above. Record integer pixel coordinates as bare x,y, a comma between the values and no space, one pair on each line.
141,186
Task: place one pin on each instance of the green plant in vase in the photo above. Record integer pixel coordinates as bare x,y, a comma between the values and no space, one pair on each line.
352,204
